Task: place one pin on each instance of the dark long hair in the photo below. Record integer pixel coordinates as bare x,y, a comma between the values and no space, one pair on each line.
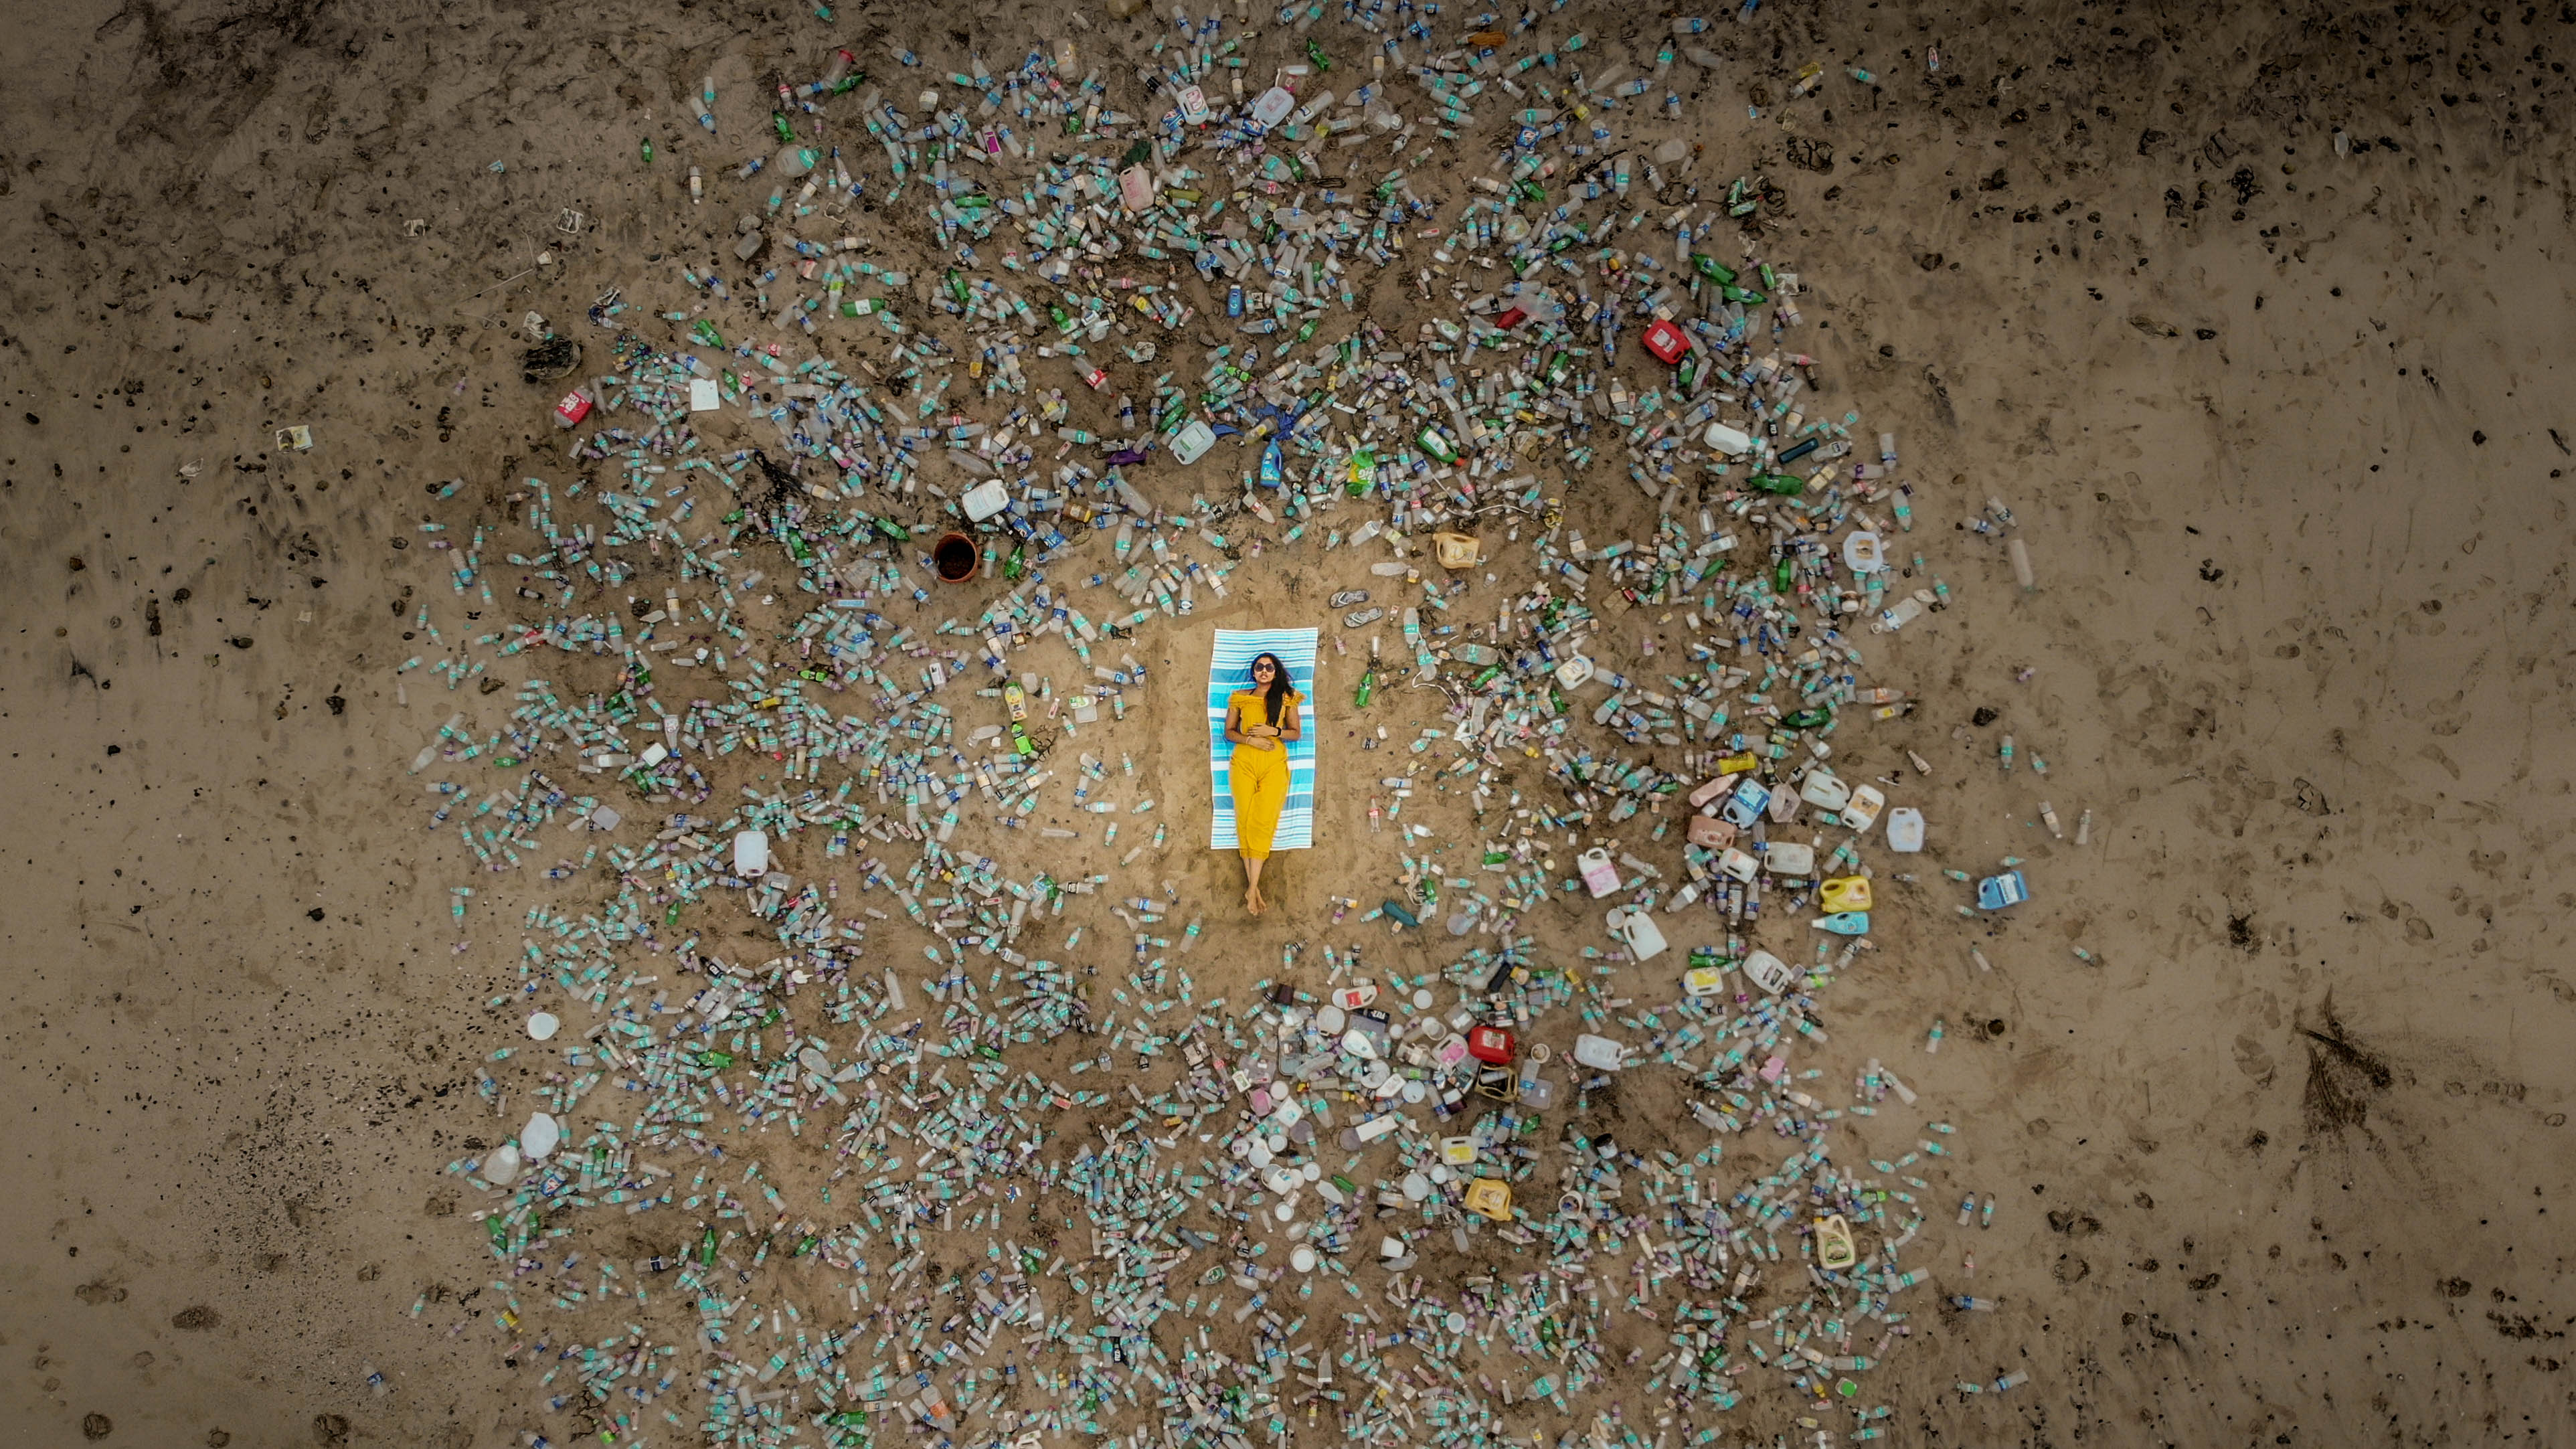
1277,697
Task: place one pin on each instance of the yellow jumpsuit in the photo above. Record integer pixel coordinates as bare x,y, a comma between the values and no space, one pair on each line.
1259,776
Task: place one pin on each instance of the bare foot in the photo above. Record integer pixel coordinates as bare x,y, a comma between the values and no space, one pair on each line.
1252,901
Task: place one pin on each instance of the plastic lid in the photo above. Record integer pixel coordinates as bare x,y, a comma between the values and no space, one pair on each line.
1302,1258
544,1025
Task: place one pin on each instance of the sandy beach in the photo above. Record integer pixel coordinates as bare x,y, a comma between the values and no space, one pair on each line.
2268,1082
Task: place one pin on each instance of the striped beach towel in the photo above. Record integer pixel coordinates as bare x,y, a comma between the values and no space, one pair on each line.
1231,671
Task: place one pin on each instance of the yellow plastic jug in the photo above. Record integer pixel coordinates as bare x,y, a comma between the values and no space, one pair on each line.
1850,893
1834,1246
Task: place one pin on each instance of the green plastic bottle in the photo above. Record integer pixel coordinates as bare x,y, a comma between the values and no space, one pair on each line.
1363,473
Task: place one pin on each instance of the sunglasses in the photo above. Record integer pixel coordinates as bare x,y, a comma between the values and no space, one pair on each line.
1264,669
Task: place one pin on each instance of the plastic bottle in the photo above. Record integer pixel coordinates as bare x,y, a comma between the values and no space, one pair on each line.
2019,553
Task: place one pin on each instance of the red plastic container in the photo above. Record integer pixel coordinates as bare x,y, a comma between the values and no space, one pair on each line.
1666,342
1491,1045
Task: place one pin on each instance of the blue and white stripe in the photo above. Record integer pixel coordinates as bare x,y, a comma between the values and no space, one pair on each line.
1230,672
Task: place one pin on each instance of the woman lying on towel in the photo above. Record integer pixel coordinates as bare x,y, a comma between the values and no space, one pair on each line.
1257,721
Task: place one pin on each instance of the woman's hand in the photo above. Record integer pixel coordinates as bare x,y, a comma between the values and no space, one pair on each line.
1260,742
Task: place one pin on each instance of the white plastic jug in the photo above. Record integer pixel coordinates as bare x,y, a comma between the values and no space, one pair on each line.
1599,876
1727,440
1861,812
1640,933
1738,864
1136,188
1192,442
751,855
539,1137
1785,857
1824,791
1768,972
1905,829
1273,105
1599,1053
985,499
